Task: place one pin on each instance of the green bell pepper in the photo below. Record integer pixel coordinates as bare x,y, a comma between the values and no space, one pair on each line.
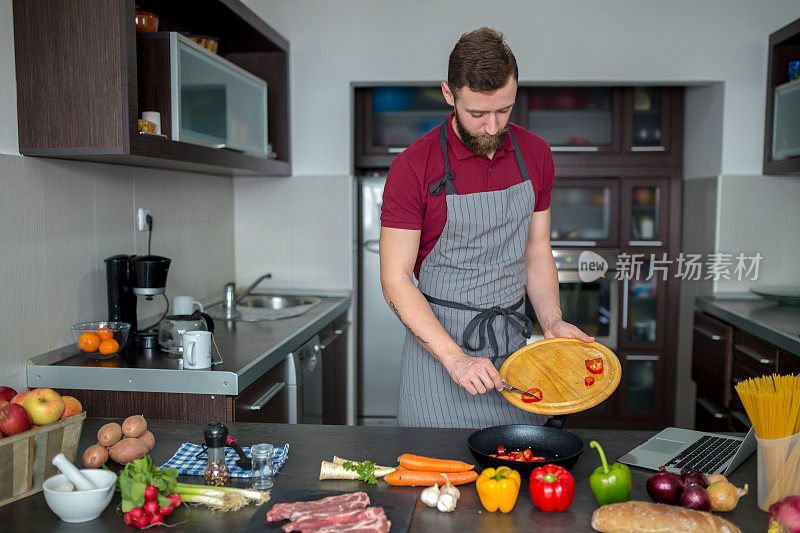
610,484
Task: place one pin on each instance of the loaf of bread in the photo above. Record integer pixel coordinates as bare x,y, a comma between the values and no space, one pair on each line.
657,518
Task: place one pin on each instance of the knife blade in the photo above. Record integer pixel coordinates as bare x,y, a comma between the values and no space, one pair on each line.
509,386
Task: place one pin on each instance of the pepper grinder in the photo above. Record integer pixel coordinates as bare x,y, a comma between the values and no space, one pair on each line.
216,474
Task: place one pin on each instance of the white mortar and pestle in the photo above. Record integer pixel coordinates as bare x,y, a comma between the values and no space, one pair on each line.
78,495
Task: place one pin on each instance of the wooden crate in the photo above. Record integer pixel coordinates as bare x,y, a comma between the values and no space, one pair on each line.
26,459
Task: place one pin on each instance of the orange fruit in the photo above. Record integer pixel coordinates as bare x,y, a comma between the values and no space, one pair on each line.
89,342
105,334
108,347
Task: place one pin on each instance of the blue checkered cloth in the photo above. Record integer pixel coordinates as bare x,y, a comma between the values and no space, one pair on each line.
185,460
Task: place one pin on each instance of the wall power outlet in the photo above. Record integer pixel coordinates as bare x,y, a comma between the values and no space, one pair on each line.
141,218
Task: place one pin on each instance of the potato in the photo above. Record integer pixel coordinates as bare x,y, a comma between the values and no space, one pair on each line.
95,456
109,434
127,450
148,439
134,426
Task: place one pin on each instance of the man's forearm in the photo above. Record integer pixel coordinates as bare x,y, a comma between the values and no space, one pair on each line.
543,286
414,312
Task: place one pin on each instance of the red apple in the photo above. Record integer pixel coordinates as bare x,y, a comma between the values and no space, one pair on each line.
6,393
19,397
44,405
14,419
72,406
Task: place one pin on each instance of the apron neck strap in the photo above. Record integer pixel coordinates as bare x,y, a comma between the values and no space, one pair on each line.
518,154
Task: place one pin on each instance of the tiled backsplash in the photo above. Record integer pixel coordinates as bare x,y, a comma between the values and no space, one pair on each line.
60,219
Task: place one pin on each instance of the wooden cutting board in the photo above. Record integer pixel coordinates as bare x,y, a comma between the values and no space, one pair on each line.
557,367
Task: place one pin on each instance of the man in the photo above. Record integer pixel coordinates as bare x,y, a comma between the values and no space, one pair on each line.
466,210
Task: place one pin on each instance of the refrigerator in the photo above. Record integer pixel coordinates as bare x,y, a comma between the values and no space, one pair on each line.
380,333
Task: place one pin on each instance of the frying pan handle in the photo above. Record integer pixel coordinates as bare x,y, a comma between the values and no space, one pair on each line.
556,422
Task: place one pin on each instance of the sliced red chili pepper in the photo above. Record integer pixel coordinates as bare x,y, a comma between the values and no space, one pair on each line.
501,450
532,396
494,455
589,381
595,366
527,453
537,458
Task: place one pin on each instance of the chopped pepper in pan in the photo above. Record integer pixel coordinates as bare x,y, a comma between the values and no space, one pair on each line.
498,488
610,484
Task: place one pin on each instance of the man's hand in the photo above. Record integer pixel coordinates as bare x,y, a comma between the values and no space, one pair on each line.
566,330
476,374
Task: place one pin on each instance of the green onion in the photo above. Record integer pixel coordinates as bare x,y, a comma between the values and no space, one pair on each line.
228,495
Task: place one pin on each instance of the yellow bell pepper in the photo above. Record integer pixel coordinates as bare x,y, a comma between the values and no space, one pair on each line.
498,488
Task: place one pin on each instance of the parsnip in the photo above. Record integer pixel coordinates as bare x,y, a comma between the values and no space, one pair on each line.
328,470
389,469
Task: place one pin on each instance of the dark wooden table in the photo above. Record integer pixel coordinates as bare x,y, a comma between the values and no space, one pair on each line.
309,445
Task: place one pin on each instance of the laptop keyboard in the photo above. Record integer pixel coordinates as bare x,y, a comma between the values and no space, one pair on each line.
707,454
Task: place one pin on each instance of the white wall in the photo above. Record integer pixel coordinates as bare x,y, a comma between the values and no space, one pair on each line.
336,43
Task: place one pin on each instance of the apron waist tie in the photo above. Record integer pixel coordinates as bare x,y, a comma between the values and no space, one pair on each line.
483,322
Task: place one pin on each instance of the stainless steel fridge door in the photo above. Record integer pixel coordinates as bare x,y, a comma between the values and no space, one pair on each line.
382,334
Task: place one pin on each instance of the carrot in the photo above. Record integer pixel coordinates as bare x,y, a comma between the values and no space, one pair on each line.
428,464
419,478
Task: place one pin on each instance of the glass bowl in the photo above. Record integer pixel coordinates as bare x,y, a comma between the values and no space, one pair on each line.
101,340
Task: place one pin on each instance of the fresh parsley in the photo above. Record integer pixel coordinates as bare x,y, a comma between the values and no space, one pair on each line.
365,470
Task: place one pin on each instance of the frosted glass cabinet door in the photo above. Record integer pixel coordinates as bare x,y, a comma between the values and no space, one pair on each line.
786,122
216,103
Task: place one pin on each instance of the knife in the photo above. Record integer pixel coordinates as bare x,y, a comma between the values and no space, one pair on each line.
508,386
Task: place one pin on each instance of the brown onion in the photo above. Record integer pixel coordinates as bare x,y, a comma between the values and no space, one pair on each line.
724,496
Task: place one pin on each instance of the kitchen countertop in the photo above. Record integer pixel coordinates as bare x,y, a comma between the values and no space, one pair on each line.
249,350
776,324
309,445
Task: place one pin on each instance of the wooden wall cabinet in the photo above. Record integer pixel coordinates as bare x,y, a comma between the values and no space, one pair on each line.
782,143
80,93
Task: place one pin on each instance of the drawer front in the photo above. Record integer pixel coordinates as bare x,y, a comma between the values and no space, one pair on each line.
740,373
739,421
266,400
759,356
712,358
788,363
710,416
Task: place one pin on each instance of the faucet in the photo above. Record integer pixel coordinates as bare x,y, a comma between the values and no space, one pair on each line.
230,300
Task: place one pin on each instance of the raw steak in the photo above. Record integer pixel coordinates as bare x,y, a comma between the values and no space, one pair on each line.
336,521
331,504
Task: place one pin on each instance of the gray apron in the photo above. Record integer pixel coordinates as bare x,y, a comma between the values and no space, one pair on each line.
474,278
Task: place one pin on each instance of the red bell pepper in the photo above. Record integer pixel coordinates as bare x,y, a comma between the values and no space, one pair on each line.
552,488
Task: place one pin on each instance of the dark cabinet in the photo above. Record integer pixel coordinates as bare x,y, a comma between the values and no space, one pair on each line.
584,212
643,386
266,400
333,350
788,363
712,361
78,92
645,214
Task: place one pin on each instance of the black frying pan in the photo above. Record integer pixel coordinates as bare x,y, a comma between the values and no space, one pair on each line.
554,444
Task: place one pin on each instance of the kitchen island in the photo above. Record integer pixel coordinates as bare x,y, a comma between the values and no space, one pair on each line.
309,445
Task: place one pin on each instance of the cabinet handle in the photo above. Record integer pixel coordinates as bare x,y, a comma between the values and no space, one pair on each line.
705,404
754,356
574,148
573,243
270,394
647,148
741,418
706,333
642,357
396,150
625,303
645,243
332,337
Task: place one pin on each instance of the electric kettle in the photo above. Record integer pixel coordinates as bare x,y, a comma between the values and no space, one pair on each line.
185,318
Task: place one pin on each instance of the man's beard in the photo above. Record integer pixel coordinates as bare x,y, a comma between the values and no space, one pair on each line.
481,144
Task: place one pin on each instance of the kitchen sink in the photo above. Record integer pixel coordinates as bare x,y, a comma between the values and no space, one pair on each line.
266,306
276,302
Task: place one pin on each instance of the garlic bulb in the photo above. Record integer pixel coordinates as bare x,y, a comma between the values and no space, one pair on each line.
430,496
449,488
446,503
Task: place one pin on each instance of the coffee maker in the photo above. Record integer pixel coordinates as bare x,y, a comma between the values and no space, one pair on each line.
129,276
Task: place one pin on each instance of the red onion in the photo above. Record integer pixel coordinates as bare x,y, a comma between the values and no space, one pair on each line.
664,487
693,477
785,515
695,497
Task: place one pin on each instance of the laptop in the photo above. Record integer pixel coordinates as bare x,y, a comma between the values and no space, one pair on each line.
675,448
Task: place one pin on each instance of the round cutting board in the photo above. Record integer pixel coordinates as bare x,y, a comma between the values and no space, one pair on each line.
557,367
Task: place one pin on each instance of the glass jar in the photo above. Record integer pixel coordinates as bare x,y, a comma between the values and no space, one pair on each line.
262,455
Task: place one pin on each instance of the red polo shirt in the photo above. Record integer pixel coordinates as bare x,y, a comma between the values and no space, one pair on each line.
408,203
